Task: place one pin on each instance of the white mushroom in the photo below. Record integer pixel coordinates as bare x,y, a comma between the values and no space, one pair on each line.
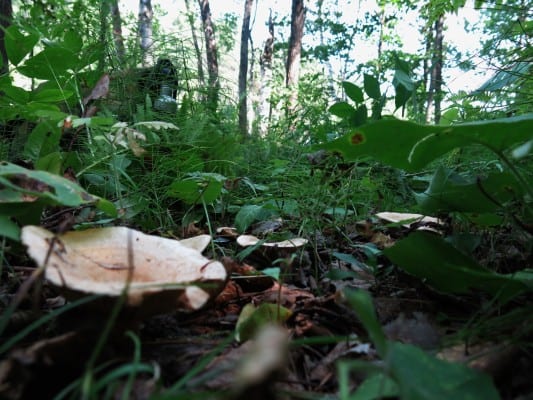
160,274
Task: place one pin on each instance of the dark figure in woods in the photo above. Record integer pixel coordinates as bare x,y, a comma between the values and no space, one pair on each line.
152,80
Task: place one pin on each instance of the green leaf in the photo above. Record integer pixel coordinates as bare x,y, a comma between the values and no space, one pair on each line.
421,376
378,386
50,63
449,191
51,95
44,139
432,259
402,95
9,229
361,302
51,162
17,94
19,45
410,146
202,187
186,190
342,110
247,215
401,78
353,92
273,272
371,86
73,41
26,186
253,318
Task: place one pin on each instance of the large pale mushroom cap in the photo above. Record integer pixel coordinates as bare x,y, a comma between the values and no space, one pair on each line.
164,274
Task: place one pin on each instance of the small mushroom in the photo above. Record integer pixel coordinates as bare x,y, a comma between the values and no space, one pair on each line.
160,275
425,223
270,251
249,240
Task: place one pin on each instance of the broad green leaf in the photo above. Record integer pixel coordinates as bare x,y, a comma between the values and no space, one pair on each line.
449,191
410,146
247,215
211,190
371,86
19,45
186,190
8,228
421,376
342,110
195,191
361,302
402,95
449,117
401,78
353,92
376,387
430,258
17,94
51,95
44,139
49,63
51,162
27,186
253,318
273,272
72,41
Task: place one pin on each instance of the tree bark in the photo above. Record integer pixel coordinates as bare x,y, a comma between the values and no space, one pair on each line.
195,42
6,15
243,68
145,31
435,83
265,62
118,39
295,51
211,54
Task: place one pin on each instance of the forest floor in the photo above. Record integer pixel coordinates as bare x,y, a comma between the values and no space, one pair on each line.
196,352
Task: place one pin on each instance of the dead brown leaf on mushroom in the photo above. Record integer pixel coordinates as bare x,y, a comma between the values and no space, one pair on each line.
160,274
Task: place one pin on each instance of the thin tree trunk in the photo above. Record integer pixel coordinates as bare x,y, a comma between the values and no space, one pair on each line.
426,81
117,32
211,53
6,15
439,55
381,36
195,42
435,72
295,51
265,63
104,13
243,68
145,31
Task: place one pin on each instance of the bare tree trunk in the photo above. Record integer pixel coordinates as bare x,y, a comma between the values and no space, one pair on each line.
145,31
295,51
265,62
211,53
6,15
104,13
195,42
439,38
435,72
381,37
117,32
243,68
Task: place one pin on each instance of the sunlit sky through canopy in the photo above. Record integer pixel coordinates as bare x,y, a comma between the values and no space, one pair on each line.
407,29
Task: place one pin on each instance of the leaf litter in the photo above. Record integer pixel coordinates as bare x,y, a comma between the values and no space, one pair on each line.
292,349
